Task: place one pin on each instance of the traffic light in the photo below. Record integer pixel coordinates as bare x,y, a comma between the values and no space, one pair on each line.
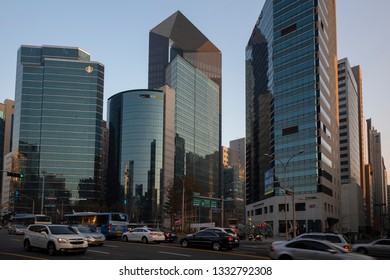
125,201
14,174
16,193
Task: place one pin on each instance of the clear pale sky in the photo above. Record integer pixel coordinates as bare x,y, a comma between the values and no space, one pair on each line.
116,34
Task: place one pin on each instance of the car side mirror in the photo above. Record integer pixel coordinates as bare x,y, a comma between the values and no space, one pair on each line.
44,233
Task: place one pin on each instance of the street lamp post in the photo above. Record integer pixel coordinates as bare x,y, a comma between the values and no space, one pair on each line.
284,166
182,204
43,191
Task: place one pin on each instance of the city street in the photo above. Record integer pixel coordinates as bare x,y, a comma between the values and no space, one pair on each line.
11,248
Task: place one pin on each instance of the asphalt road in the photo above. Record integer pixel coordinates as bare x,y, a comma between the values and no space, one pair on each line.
11,248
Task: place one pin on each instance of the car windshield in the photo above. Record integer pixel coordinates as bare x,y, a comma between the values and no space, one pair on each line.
20,226
60,230
85,230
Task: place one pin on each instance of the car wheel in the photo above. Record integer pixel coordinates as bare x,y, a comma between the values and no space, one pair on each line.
184,243
27,245
285,257
362,251
216,246
51,249
124,238
144,240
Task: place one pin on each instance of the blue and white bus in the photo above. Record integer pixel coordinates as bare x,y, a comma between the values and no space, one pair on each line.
111,224
28,219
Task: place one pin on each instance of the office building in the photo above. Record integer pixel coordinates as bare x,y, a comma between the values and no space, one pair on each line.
184,59
57,130
6,119
352,203
379,180
140,162
292,137
234,183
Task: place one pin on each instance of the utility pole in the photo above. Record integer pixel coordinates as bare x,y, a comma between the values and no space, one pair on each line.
43,191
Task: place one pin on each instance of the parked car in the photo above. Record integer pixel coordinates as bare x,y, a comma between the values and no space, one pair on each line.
91,235
220,229
144,235
311,249
170,236
211,239
17,229
54,238
335,238
377,248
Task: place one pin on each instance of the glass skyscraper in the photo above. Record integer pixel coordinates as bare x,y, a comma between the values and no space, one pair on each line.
183,58
292,116
140,139
57,130
350,146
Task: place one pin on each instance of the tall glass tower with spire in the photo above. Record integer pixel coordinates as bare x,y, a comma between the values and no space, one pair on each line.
186,60
292,117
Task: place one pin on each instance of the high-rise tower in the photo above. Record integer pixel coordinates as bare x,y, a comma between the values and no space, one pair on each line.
352,203
292,117
58,129
184,59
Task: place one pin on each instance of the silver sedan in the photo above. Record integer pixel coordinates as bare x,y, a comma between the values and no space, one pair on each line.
310,249
377,248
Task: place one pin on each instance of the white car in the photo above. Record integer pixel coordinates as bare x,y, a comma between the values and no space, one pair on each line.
335,238
93,237
54,238
311,249
17,229
377,248
144,235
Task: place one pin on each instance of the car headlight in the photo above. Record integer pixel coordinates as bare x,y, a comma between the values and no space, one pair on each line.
62,240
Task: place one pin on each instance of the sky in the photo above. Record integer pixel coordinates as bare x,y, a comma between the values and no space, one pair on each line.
116,33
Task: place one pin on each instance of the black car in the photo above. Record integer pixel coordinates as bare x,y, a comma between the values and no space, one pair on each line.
210,239
170,236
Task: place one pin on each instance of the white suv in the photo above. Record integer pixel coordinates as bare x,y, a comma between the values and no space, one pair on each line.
54,238
335,238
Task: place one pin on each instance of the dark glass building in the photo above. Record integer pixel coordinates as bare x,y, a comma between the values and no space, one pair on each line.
292,117
57,130
183,58
140,139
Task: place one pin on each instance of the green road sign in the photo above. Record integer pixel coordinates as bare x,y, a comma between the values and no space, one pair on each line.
204,202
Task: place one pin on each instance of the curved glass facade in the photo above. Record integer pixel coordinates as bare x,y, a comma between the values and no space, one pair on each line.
135,163
57,129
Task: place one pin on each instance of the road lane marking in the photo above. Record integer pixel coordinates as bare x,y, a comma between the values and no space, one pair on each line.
23,256
175,254
100,252
112,246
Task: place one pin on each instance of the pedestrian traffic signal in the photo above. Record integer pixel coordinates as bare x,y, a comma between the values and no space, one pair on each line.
14,174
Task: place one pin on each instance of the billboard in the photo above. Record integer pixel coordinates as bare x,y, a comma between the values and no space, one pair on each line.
269,181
